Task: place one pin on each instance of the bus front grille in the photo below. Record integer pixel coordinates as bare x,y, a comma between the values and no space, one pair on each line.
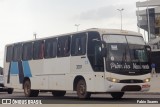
131,81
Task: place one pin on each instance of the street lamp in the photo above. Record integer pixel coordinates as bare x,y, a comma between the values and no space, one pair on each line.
35,35
77,25
120,10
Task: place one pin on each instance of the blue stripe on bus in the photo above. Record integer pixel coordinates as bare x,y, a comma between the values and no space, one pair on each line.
26,69
14,68
21,68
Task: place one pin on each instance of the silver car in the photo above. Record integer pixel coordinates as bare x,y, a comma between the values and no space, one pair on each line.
2,87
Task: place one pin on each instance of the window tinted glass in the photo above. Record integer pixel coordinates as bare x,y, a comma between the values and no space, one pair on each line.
17,52
138,53
118,52
27,51
135,40
63,47
79,44
9,53
50,48
94,51
38,50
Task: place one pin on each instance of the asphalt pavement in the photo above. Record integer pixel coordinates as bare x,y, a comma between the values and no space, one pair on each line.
155,84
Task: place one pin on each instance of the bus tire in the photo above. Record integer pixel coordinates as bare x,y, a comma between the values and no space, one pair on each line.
10,90
117,95
35,93
82,89
27,89
58,93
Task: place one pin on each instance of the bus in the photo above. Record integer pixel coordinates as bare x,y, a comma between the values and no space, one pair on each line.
86,62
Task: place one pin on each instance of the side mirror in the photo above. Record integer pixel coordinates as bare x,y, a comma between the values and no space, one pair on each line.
148,48
104,52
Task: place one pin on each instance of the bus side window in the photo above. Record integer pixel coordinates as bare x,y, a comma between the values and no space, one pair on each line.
17,52
78,44
38,50
50,48
27,51
63,47
94,51
9,53
67,46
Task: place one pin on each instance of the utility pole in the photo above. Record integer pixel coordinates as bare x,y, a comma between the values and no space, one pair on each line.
120,10
149,32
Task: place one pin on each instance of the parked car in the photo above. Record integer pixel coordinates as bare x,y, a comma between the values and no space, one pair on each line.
2,87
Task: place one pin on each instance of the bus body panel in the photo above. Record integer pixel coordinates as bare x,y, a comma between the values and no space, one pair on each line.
39,81
99,82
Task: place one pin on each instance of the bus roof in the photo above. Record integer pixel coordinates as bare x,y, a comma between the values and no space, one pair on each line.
115,31
100,30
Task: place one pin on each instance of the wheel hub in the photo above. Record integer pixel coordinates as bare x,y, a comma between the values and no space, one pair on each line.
82,89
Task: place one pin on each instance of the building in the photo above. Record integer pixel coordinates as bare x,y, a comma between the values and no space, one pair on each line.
148,20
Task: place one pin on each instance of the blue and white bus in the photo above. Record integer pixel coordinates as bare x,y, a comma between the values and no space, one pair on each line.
90,61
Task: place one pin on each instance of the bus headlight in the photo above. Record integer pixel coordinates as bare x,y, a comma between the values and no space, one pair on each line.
147,80
113,79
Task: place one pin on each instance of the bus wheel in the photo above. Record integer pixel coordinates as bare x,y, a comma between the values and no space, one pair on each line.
34,93
10,90
117,95
81,90
58,93
27,89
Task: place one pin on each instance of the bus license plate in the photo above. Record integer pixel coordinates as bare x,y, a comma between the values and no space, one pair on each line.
146,86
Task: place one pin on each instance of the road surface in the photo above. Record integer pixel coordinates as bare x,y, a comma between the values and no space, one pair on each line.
71,98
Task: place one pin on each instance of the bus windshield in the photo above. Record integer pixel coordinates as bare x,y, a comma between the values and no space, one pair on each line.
126,54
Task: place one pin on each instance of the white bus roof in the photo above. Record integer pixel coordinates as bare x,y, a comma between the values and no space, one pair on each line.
100,30
115,31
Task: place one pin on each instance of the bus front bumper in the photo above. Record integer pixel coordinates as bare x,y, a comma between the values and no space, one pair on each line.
122,87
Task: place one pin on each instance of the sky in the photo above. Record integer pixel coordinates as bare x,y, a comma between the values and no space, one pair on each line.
20,19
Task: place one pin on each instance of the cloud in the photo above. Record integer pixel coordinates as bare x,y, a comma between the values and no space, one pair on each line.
108,12
109,17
